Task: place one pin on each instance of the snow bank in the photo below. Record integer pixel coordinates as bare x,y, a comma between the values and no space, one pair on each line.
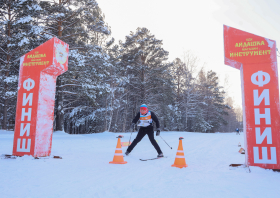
4,132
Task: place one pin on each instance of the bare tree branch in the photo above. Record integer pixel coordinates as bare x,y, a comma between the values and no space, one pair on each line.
72,35
49,33
3,61
70,16
71,25
4,51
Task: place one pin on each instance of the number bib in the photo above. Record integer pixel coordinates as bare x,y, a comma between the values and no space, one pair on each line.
145,120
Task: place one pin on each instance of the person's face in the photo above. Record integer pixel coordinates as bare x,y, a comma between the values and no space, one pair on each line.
143,110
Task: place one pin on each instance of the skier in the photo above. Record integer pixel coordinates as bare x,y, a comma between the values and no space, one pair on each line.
146,127
237,131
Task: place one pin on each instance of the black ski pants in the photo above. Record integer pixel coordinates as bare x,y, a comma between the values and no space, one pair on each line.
142,132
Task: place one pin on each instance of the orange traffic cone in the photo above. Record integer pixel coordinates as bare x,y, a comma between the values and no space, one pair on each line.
118,157
180,161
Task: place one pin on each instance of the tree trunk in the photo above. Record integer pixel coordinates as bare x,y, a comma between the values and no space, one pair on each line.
105,126
125,114
5,108
187,106
59,112
111,113
116,121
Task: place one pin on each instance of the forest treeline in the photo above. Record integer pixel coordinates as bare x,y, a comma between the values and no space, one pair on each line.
107,81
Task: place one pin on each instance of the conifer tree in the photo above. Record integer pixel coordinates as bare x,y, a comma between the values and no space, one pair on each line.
187,97
75,22
18,32
86,89
148,73
200,124
178,71
213,100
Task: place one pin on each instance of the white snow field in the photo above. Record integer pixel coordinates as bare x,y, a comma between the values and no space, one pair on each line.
85,171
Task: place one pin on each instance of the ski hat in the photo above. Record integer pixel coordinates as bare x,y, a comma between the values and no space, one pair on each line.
143,109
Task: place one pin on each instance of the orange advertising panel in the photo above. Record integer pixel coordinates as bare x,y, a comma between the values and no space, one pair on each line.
36,94
255,57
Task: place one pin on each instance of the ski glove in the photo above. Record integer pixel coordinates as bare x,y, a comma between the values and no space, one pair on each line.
158,132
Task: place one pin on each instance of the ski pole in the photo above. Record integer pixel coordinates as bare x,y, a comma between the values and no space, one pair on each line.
165,142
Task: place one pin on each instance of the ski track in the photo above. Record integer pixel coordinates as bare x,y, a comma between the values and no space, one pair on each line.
85,171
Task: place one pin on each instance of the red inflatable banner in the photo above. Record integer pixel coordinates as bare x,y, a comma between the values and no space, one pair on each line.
255,57
36,94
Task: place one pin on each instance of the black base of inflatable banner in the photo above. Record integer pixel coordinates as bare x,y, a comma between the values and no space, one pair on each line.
55,157
235,166
6,156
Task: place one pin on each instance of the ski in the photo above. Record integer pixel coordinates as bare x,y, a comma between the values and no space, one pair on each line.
152,158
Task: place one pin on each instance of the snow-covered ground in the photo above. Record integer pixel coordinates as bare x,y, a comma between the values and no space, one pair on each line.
85,171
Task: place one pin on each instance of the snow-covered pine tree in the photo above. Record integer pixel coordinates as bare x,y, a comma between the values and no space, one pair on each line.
75,22
178,74
213,99
200,125
147,71
19,33
187,97
84,91
117,93
191,95
105,84
191,102
230,118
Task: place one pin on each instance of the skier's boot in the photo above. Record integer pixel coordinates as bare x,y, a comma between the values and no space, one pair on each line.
160,155
126,153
